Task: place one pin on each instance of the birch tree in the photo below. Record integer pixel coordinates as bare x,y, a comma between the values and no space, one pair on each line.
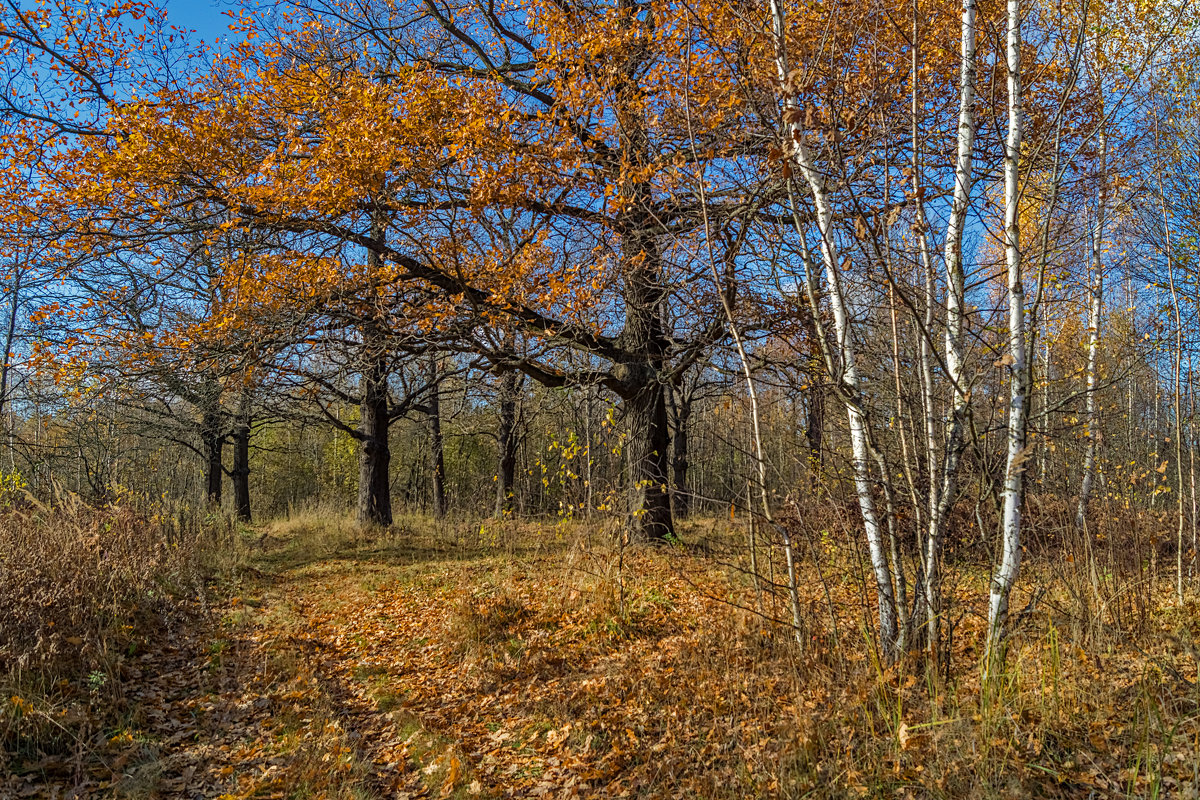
943,469
1015,361
842,363
1095,304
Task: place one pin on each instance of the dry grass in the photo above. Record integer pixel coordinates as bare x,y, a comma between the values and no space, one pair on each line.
485,659
82,589
590,670
72,579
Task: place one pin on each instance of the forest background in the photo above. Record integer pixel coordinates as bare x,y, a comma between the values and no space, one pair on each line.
860,334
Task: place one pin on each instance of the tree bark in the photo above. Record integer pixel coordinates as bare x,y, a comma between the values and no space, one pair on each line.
814,422
943,456
649,437
814,432
506,474
1095,305
374,425
648,444
679,457
375,455
213,441
10,336
437,445
241,464
643,338
647,462
1010,559
1177,370
844,369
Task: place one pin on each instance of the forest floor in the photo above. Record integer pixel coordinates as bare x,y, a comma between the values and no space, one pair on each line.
403,666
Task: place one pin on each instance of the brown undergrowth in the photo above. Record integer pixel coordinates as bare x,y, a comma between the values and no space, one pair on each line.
518,660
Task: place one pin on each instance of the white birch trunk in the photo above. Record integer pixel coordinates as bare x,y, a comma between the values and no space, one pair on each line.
860,446
941,496
1010,559
1094,309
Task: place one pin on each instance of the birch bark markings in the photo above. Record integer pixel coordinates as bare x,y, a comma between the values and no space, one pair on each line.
943,480
847,376
1010,560
1096,298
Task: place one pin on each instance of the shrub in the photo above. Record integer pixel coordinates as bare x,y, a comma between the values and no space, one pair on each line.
77,583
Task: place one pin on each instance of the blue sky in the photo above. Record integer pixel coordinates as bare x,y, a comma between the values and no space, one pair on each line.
206,17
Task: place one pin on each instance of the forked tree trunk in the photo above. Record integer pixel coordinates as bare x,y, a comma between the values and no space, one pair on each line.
841,366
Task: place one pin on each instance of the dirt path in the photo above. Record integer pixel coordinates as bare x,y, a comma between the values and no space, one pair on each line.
362,677
228,707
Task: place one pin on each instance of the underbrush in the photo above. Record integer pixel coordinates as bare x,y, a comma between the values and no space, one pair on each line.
502,658
82,588
654,671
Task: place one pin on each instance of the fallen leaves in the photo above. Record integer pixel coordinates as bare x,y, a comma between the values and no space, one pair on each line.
487,678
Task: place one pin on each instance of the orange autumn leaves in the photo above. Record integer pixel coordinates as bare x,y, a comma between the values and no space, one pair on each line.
304,132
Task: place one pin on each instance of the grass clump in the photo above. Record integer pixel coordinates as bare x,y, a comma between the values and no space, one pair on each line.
490,620
82,589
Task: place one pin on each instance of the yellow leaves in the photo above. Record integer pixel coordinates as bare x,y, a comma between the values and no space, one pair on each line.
452,776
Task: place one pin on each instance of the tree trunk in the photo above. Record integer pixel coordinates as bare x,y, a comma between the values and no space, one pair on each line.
943,456
437,445
814,422
646,460
814,433
682,498
643,338
10,336
506,475
213,441
375,454
844,369
649,442
1010,559
1177,370
374,425
1095,305
241,464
